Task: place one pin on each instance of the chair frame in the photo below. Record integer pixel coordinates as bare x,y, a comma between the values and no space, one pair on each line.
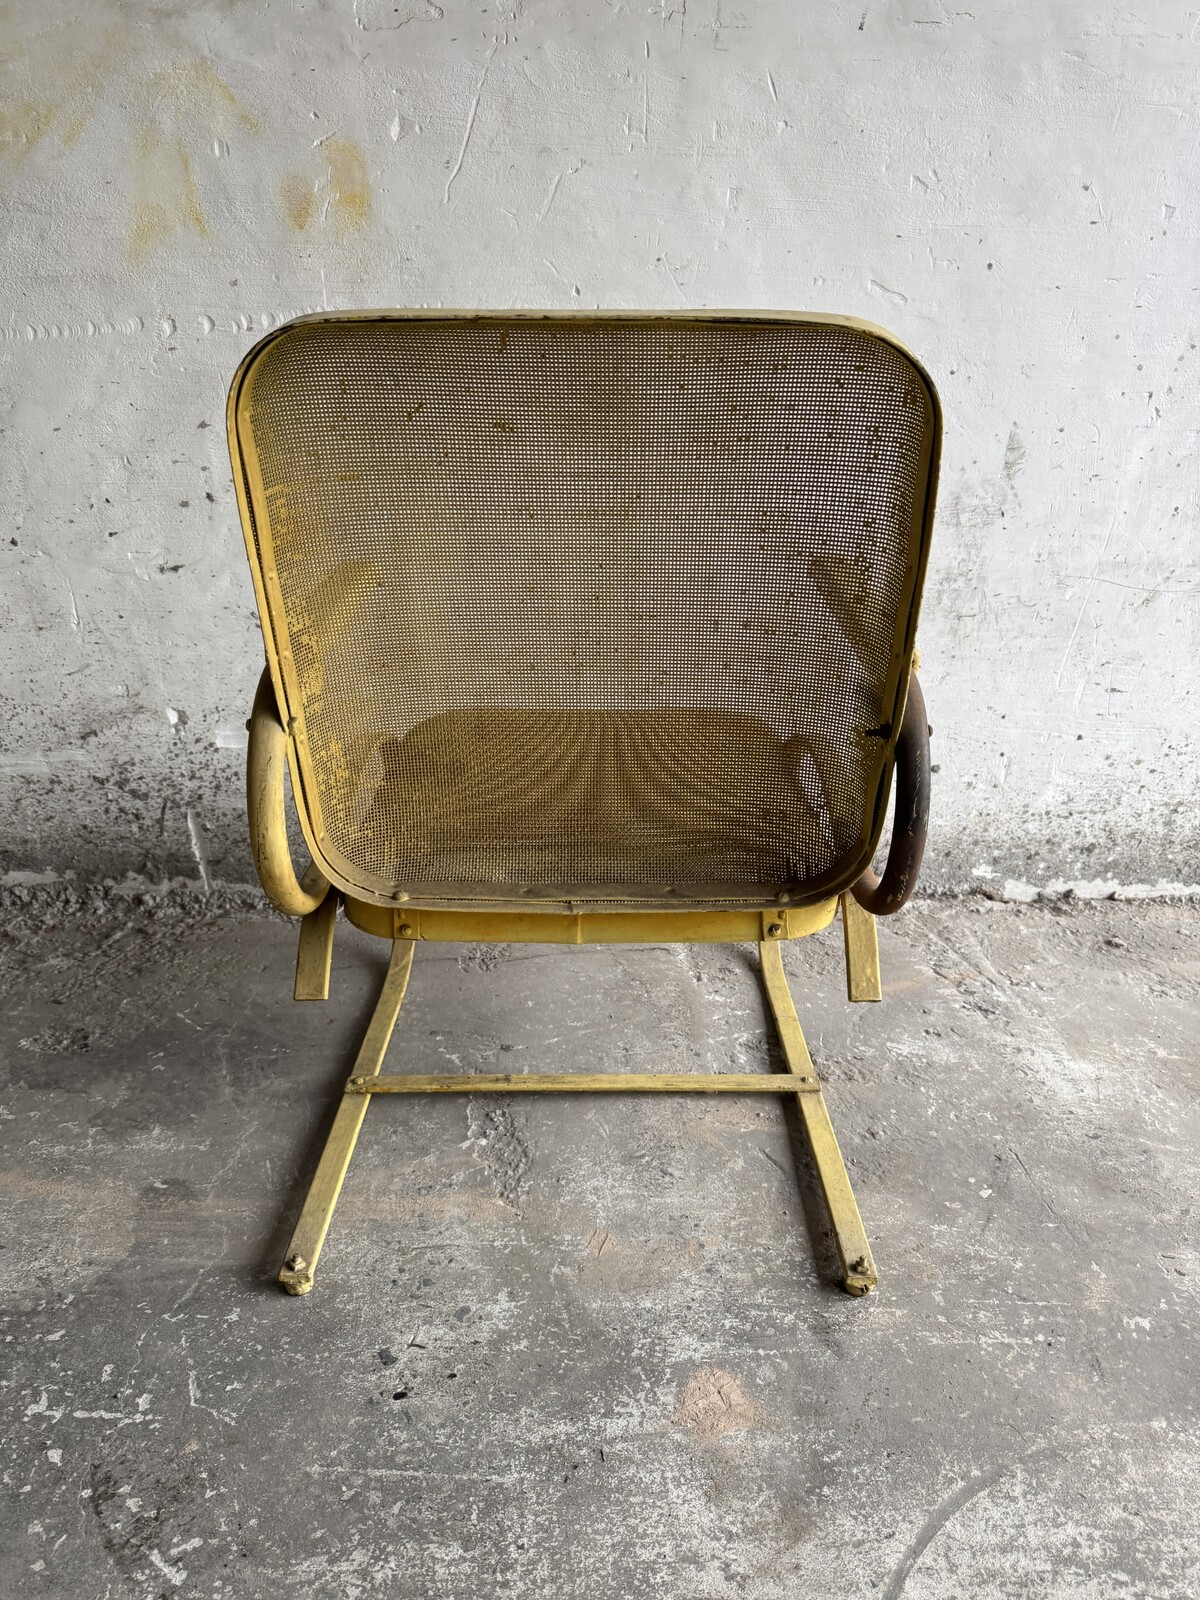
275,752
313,899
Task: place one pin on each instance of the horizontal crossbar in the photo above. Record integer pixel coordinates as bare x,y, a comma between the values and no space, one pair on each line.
587,1083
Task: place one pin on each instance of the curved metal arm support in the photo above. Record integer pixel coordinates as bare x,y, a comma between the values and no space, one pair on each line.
910,822
265,765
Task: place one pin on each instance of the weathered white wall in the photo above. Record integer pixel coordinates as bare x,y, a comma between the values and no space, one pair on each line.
1012,191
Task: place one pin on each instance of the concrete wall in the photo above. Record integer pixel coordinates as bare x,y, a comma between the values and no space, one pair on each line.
1012,191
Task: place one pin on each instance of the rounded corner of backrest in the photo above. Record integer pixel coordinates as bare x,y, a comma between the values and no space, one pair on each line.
242,386
877,334
921,372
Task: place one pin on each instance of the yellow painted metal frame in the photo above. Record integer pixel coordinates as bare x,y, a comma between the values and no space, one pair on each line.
770,929
858,1272
277,742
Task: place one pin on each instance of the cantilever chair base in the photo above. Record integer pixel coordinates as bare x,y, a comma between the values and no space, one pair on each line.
858,1273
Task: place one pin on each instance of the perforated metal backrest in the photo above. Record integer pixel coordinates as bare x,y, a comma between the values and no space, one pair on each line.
587,609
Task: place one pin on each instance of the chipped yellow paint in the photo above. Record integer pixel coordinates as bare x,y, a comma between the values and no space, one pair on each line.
165,199
298,199
349,184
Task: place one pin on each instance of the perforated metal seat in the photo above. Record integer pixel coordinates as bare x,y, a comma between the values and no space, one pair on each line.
588,617
591,805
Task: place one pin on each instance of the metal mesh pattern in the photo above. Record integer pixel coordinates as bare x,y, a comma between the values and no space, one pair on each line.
602,609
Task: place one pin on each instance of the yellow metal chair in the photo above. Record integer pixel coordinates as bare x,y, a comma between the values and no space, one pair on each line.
586,629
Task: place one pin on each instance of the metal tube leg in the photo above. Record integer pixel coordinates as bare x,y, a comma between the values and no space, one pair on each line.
315,952
858,1266
300,1263
862,951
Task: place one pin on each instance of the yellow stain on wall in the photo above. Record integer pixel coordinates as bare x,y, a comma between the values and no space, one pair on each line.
165,200
21,127
85,93
342,192
205,78
77,94
350,185
298,196
72,132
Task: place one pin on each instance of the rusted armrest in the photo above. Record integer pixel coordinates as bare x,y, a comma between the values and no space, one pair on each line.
265,766
910,819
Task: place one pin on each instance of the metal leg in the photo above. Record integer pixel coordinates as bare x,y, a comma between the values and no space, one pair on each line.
366,1079
858,1267
296,1274
862,951
315,954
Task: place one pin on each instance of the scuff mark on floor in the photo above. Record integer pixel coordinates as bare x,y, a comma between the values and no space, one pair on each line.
712,1403
497,1144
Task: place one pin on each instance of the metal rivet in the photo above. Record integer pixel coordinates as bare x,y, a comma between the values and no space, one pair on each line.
400,894
404,930
775,930
783,899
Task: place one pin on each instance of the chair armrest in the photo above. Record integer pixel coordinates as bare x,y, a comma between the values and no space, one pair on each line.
910,819
266,761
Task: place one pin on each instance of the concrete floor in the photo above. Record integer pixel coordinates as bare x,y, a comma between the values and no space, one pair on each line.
590,1348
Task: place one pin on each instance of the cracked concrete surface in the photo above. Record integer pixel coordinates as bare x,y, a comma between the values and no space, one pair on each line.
591,1348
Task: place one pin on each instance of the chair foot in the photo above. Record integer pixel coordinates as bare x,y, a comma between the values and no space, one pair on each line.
861,1278
303,1253
296,1275
854,1252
